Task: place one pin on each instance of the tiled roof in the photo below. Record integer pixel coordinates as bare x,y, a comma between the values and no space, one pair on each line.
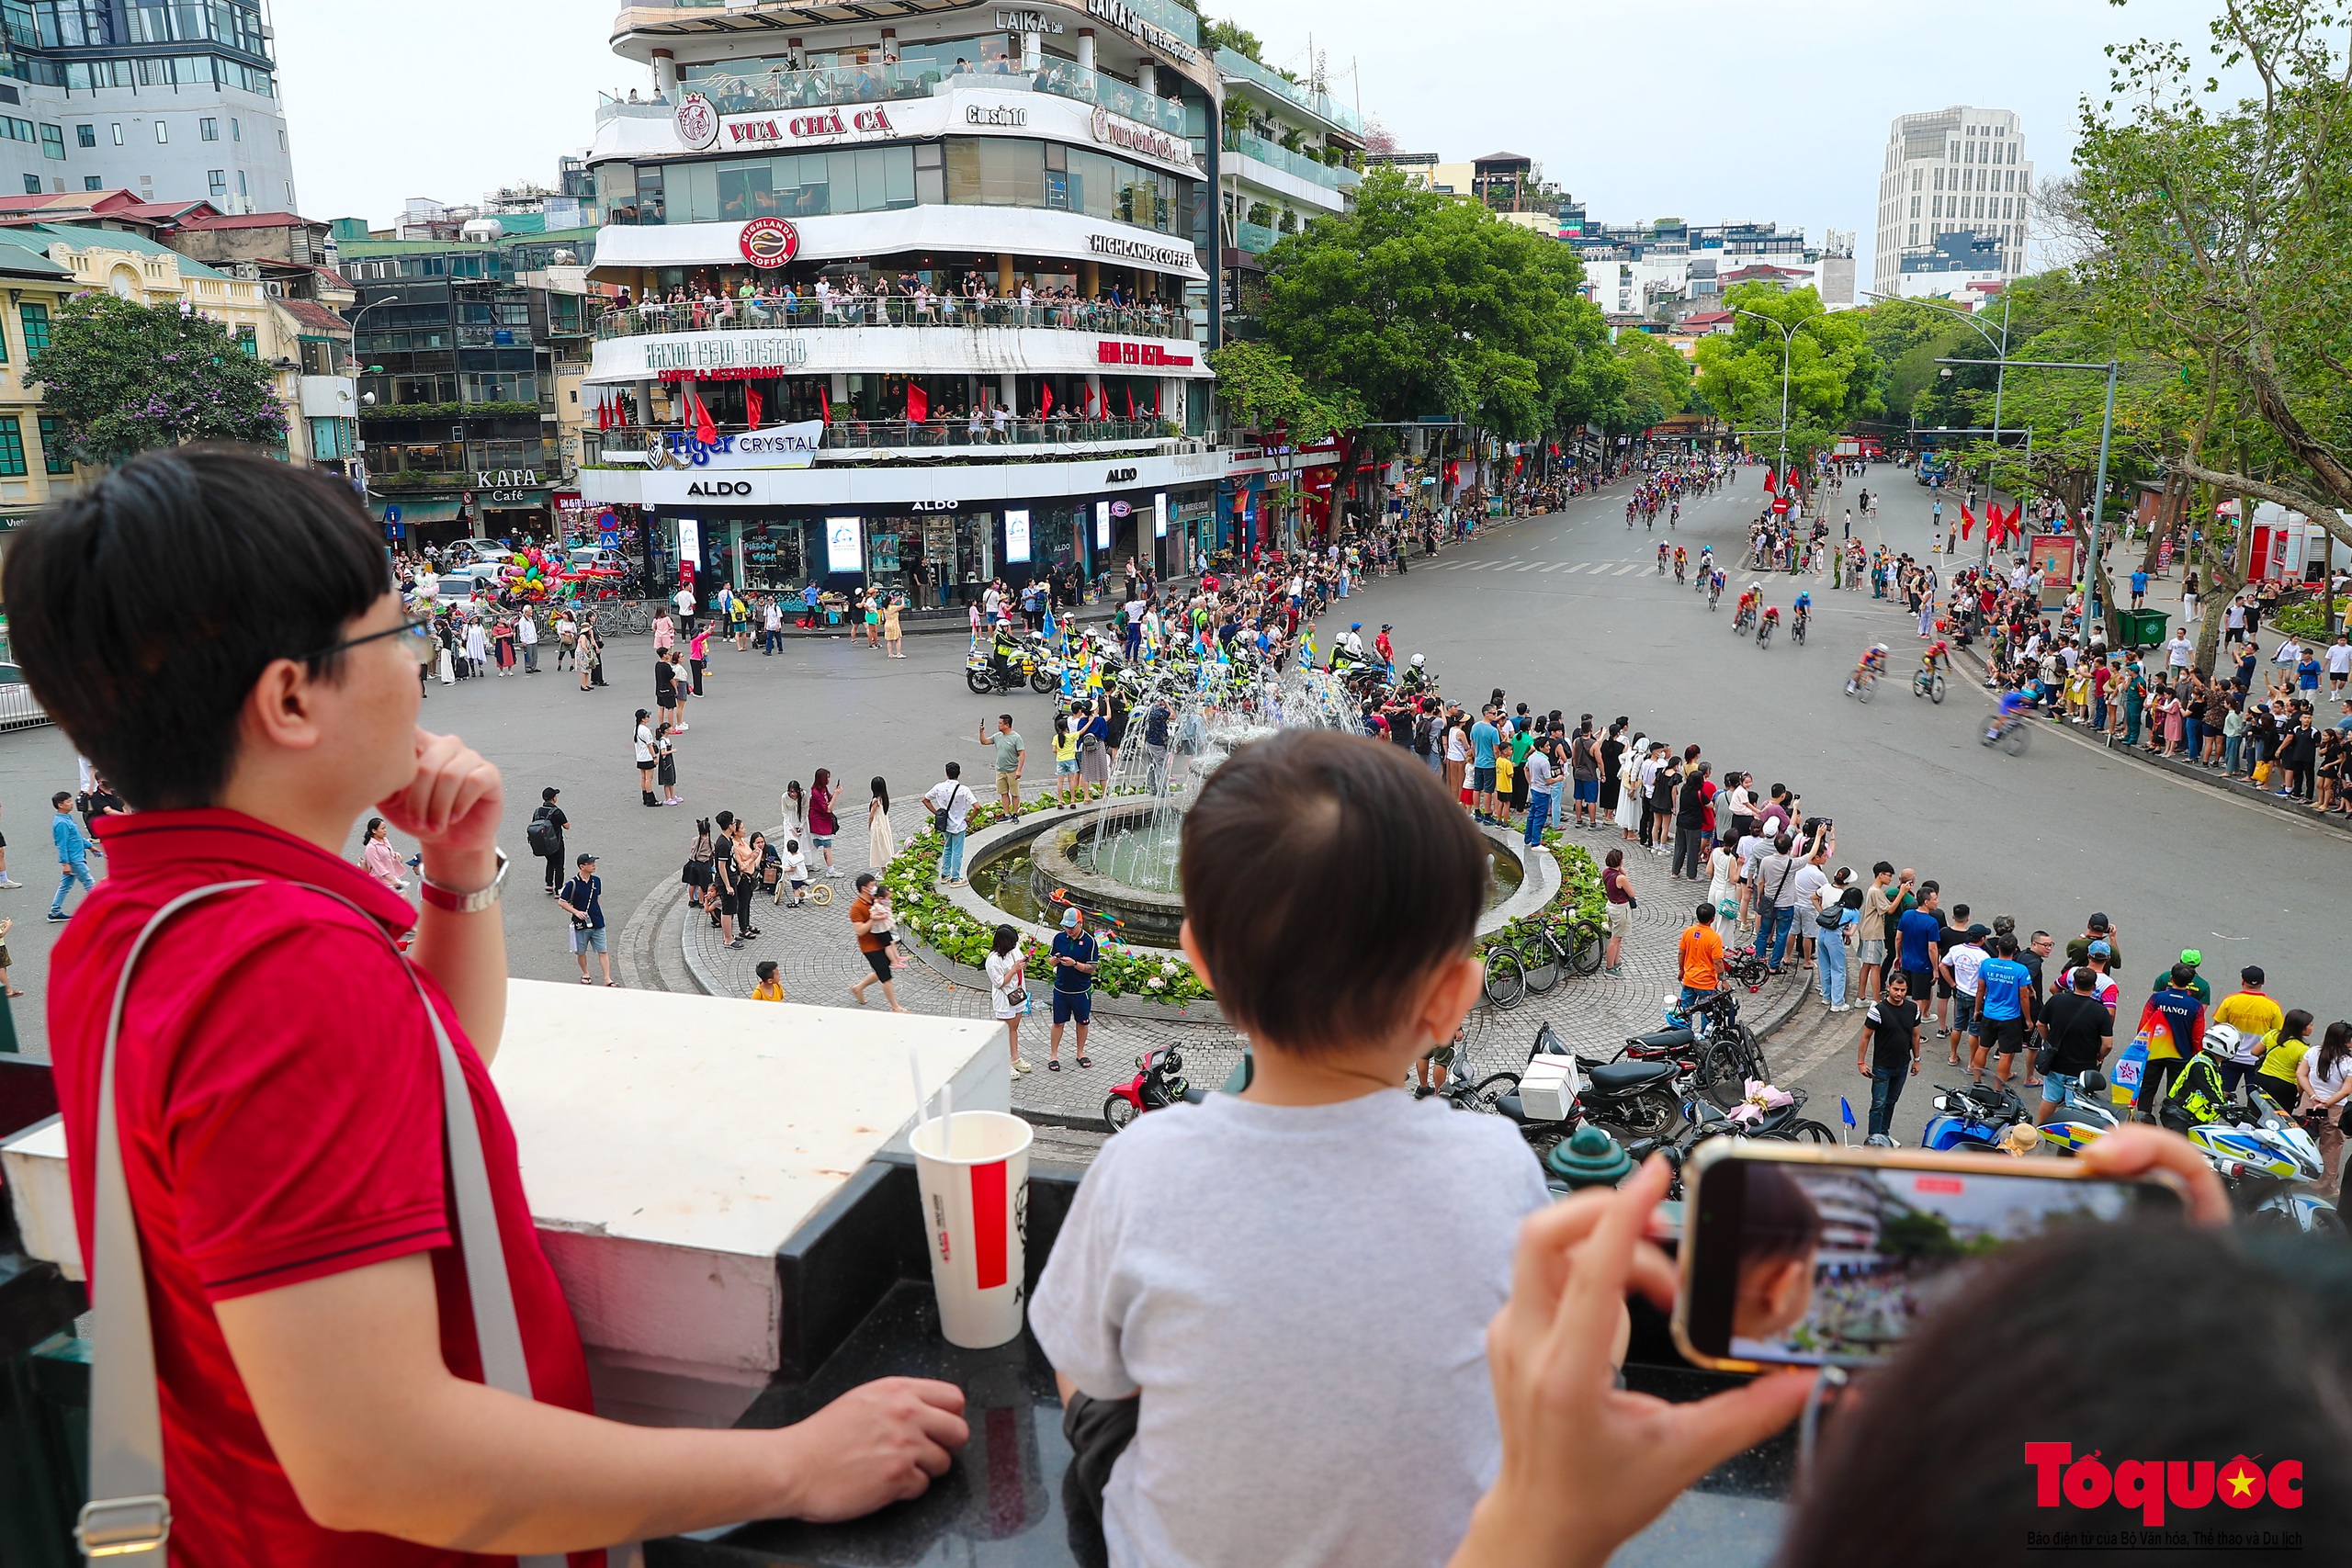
316,317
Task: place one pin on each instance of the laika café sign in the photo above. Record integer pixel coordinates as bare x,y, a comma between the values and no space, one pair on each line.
1135,26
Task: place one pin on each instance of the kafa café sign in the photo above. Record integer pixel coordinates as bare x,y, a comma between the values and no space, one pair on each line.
1114,351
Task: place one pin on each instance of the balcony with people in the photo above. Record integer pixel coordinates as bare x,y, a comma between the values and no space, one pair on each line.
973,297
887,417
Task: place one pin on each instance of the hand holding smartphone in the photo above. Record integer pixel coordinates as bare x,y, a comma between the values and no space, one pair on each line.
1798,1254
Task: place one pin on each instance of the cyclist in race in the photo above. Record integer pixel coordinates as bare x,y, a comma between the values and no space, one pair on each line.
1938,653
2011,709
1803,612
1674,515
1661,561
1771,618
1681,565
1706,561
1715,587
1870,667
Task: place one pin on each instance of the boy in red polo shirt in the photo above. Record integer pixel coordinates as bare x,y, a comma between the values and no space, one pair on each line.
277,1086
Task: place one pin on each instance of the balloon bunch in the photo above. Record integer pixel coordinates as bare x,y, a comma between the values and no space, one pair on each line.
530,575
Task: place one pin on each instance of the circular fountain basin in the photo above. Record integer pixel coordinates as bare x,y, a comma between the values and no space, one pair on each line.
1069,862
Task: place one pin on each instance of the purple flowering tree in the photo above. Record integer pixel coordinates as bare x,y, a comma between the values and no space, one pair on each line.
123,377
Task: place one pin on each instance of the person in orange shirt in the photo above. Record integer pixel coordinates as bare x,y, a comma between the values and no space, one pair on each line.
1702,958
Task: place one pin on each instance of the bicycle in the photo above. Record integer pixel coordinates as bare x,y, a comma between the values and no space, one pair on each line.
1534,963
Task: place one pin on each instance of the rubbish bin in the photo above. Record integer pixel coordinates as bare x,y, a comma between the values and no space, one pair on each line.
2141,629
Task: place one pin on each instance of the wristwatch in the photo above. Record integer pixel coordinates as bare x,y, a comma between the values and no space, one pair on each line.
457,903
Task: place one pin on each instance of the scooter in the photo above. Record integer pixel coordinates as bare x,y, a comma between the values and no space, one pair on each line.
2268,1160
1157,1084
1974,1116
1635,1096
2088,1113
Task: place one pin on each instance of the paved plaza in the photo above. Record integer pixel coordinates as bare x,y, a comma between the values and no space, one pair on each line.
1565,610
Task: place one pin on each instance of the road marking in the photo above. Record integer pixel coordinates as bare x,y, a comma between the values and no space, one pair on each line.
1579,566
1531,566
1631,565
1551,566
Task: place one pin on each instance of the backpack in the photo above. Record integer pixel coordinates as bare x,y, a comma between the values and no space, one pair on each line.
544,836
1425,734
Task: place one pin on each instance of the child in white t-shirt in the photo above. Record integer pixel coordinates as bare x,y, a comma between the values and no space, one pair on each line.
792,886
1297,1342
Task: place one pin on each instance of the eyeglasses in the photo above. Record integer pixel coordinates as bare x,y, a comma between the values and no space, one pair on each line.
416,638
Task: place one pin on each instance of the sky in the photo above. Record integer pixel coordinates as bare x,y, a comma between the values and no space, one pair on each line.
1708,110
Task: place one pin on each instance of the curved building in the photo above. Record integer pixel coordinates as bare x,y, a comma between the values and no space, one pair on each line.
911,294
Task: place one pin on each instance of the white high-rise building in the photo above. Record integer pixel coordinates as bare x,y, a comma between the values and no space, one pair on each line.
1951,198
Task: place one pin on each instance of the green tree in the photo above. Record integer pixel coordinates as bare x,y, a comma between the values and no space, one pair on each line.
1261,389
1831,377
2221,226
1655,383
124,377
1415,303
1232,36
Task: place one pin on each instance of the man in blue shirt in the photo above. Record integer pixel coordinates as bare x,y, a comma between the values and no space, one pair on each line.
1075,956
1483,739
2004,1007
1921,933
72,851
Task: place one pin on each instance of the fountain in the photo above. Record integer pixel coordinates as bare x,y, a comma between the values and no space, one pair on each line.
1117,859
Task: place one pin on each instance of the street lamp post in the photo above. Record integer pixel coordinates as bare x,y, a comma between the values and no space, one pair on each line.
358,443
2000,378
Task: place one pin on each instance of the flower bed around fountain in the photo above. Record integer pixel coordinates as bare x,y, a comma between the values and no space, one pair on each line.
957,928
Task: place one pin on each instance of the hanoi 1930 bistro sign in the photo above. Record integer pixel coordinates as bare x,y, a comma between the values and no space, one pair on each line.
724,356
1115,351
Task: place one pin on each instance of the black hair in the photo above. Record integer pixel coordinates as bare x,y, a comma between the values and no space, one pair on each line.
765,970
955,770
1004,940
2296,1025
1883,868
369,832
143,608
1778,1219
881,792
1326,876
60,798
2182,974
1921,1468
865,880
1705,914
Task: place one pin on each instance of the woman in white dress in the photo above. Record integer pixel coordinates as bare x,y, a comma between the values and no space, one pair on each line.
476,647
1629,795
881,844
1008,967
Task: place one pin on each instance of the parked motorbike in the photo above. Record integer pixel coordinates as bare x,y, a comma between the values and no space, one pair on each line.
1159,1083
2087,1113
1974,1116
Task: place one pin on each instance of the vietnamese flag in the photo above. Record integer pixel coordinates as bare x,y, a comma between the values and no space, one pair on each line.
1770,484
1044,399
824,403
705,428
1131,403
1968,519
918,402
752,407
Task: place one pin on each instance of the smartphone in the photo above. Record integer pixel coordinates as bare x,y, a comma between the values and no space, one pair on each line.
1797,1254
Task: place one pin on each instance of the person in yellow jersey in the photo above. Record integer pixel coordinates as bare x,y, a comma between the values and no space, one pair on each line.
2256,1017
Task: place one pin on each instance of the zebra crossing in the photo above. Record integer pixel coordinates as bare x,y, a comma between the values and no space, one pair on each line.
1565,568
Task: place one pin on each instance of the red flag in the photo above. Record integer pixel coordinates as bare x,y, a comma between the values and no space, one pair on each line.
1770,484
918,402
824,403
603,414
705,428
1155,400
1968,519
1044,399
1131,403
752,407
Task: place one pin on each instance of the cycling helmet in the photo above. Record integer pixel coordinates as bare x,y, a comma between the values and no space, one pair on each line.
1878,647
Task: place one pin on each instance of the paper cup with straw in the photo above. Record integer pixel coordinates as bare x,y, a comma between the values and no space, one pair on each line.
973,1171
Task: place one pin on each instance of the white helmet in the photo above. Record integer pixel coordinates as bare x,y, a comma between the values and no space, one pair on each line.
1418,660
2222,1039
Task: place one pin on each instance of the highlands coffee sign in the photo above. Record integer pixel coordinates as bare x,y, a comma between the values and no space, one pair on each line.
1169,258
